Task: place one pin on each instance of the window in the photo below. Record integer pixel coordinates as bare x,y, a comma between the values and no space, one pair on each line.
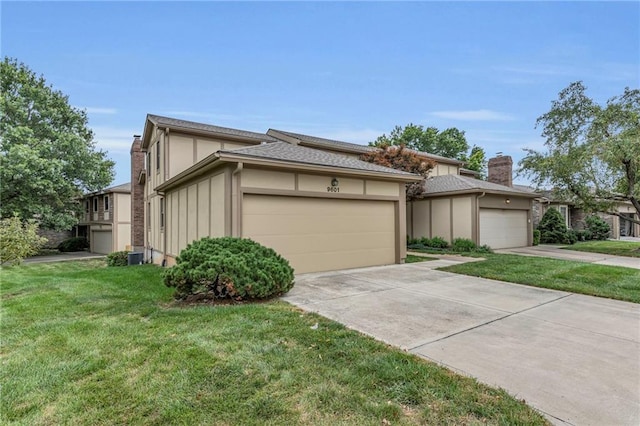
95,204
147,165
106,203
158,155
149,215
161,212
86,206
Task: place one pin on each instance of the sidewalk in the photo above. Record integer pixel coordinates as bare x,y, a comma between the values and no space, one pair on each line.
63,257
557,252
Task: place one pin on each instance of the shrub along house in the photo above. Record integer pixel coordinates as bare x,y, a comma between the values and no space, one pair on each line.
106,220
311,199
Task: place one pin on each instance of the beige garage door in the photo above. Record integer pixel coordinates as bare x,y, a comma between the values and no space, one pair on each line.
318,234
101,242
503,228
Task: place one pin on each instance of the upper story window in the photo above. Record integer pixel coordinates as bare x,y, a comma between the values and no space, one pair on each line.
106,203
86,206
161,212
147,166
95,204
158,155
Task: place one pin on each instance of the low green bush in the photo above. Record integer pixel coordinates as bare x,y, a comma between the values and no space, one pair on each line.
234,268
463,245
435,242
74,244
599,229
118,258
18,240
584,235
536,237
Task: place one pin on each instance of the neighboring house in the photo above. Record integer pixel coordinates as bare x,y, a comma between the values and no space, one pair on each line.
309,198
322,209
575,217
106,220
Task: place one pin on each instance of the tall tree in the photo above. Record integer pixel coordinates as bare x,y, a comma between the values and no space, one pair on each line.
450,143
593,151
399,158
47,151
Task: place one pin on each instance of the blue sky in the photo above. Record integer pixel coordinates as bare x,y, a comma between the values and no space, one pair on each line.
345,70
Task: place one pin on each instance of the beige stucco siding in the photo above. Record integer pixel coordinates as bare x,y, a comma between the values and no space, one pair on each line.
421,217
269,179
218,206
123,237
206,147
317,183
181,154
389,189
462,215
318,234
196,210
122,207
441,218
444,169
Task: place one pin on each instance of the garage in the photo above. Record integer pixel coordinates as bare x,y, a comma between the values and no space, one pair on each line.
101,242
501,228
322,234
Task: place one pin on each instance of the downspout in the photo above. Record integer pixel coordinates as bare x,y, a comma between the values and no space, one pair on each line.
164,232
478,217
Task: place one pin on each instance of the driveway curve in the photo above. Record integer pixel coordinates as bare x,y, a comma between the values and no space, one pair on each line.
575,358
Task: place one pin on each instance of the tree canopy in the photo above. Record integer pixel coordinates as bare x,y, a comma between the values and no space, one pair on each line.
400,158
47,151
449,143
593,151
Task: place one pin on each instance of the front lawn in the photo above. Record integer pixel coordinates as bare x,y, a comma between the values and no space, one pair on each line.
616,248
578,277
86,344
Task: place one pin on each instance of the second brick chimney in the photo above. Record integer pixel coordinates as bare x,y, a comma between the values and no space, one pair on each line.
137,194
501,170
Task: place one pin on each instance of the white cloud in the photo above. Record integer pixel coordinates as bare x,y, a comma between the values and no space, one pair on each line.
114,140
473,115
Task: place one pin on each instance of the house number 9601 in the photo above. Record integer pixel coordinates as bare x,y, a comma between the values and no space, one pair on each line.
333,189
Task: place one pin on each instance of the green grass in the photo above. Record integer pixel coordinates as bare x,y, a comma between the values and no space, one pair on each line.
616,248
578,277
413,259
86,344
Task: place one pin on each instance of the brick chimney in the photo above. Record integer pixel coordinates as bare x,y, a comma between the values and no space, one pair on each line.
137,194
501,170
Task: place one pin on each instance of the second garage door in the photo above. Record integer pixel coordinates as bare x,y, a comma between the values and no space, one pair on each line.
101,242
320,234
504,228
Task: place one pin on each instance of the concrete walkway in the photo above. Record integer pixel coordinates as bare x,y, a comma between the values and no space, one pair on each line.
64,257
575,358
557,252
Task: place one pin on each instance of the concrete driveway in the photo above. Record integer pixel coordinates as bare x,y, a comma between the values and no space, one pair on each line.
575,358
557,252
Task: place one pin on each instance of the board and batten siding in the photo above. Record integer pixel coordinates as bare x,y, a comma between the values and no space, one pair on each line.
195,210
447,218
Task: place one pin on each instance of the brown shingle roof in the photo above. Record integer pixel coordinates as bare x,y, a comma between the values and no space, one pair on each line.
159,120
298,154
455,183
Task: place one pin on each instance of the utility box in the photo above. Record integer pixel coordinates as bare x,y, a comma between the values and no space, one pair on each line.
135,258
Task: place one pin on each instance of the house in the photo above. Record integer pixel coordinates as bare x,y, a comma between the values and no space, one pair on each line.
106,220
574,216
492,212
309,198
322,209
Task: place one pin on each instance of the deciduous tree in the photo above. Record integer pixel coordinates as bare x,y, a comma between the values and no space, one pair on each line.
400,158
47,152
593,151
449,143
